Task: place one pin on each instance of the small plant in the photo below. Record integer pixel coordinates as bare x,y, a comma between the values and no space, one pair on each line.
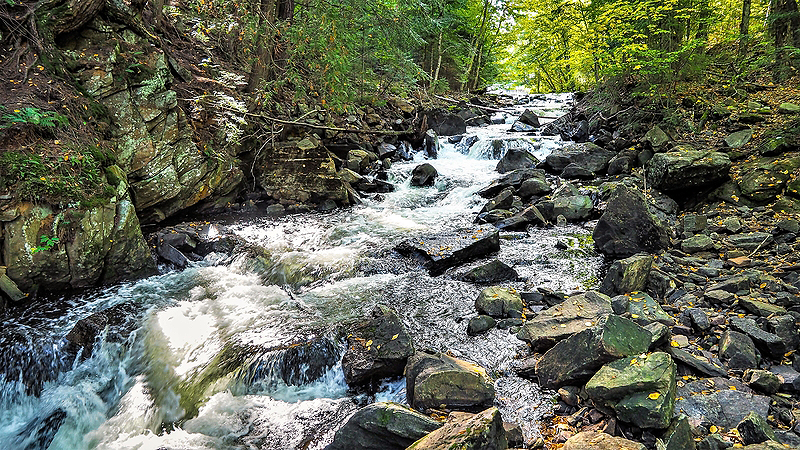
47,244
32,116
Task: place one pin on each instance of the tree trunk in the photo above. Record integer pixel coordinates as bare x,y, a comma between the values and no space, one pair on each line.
270,52
744,26
438,61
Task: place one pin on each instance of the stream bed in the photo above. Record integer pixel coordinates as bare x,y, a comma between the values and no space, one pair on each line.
227,354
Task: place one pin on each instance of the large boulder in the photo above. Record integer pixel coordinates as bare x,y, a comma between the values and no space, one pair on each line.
688,169
627,275
628,226
590,156
423,175
642,309
439,253
595,440
447,124
575,314
437,380
483,431
640,389
382,426
516,158
377,348
578,357
515,179
721,401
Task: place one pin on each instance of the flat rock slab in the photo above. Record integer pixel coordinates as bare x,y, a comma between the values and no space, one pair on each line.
697,363
575,314
723,402
439,253
595,440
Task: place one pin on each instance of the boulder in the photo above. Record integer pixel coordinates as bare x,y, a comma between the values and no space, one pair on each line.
515,179
627,275
788,108
491,272
575,314
754,429
644,310
739,139
590,156
516,158
764,179
520,222
760,308
721,401
657,138
640,389
423,175
377,348
785,327
628,227
689,169
595,440
536,185
767,342
503,200
482,431
573,207
499,302
480,324
431,144
439,253
446,124
762,381
519,127
697,243
380,426
578,357
529,117
737,350
750,241
700,364
439,381
678,436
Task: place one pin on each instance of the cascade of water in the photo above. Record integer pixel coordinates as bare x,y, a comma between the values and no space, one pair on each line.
245,352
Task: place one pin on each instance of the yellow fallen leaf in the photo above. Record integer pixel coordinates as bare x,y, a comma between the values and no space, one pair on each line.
395,336
654,396
369,342
675,344
713,428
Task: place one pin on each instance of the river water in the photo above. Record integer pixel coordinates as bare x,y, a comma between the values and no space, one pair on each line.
228,354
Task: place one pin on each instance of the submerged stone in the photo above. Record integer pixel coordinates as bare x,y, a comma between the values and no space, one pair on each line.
439,253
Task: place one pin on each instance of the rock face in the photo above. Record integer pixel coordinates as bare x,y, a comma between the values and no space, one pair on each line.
439,253
380,426
377,348
595,440
483,431
293,172
155,141
628,226
640,389
436,379
99,245
423,175
575,314
688,169
576,358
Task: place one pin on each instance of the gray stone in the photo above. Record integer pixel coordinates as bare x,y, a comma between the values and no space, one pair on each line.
380,426
516,158
678,436
714,442
675,171
760,308
644,310
702,365
788,108
754,429
377,348
721,401
492,272
423,175
575,314
573,208
439,381
628,226
750,241
627,275
697,243
740,138
483,431
762,381
694,222
737,350
439,253
768,343
590,156
576,358
480,324
499,302
595,440
656,137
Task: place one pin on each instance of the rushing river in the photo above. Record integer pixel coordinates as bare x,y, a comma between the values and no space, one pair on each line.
230,355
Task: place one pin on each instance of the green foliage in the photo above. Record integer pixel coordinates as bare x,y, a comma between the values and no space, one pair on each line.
31,116
48,243
59,178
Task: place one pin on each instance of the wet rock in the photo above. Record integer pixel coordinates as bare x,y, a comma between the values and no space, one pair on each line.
762,381
714,442
503,200
172,255
576,358
699,319
764,179
737,350
439,381
431,144
595,440
732,285
529,117
575,314
520,222
120,320
627,275
515,180
590,156
790,378
574,171
483,431
721,401
760,308
573,207
520,127
657,138
660,334
446,124
423,175
9,288
677,171
439,253
740,138
491,272
359,160
38,434
768,343
697,243
754,429
377,348
515,159
383,425
750,241
480,324
372,185
644,310
536,185
628,227
499,302
640,389
702,365
785,327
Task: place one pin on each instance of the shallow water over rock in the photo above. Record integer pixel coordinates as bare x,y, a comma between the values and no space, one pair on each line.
245,352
